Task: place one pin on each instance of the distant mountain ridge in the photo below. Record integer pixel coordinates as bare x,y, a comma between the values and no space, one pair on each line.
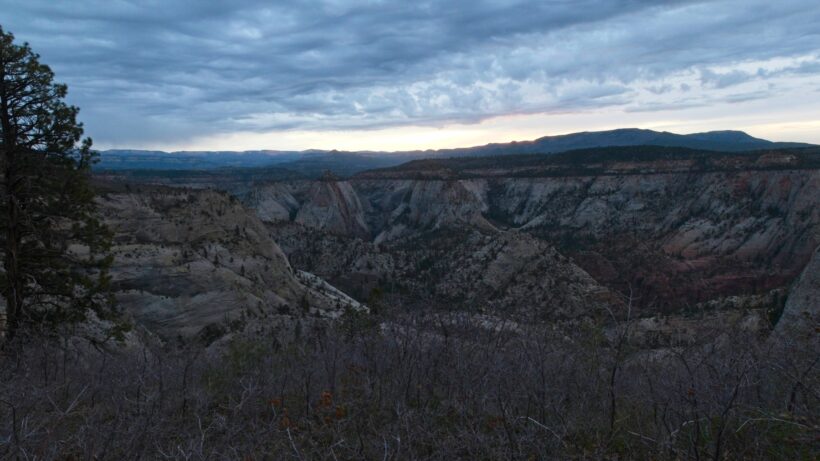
312,163
610,160
730,141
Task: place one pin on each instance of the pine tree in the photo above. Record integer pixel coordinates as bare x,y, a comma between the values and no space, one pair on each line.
53,249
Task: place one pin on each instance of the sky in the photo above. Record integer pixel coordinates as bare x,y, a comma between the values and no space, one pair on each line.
402,75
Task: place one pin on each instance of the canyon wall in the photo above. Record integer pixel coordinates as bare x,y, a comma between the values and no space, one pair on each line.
674,239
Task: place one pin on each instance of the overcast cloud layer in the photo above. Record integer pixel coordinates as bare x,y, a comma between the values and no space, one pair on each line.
154,72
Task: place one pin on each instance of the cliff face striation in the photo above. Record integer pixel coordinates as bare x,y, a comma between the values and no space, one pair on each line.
671,227
800,321
193,262
501,273
675,228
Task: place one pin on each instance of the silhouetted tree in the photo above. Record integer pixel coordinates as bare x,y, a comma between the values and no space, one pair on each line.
53,247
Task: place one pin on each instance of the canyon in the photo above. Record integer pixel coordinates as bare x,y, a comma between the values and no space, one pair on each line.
668,231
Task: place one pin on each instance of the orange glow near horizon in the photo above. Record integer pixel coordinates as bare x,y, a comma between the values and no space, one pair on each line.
790,125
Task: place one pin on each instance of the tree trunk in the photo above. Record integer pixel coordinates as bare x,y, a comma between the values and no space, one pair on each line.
14,292
11,263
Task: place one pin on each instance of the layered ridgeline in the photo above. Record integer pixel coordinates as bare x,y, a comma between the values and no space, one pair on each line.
556,236
313,163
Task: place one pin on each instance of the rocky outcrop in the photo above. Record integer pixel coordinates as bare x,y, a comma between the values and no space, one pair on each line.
741,214
674,227
327,204
374,211
678,237
197,262
673,238
497,273
272,202
502,273
800,321
409,207
333,206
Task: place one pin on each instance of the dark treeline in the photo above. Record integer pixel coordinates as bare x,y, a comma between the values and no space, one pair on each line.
605,160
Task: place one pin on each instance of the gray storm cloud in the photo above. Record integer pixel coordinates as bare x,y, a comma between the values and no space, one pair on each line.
170,70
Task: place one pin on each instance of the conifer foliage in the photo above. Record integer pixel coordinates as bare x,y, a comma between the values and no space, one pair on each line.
52,248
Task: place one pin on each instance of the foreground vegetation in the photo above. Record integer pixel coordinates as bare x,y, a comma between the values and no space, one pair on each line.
425,389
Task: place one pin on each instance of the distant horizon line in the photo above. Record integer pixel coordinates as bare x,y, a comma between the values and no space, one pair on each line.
375,151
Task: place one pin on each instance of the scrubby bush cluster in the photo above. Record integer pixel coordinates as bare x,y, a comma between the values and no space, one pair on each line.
423,388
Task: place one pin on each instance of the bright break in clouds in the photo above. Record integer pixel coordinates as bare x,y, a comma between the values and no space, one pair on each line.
385,74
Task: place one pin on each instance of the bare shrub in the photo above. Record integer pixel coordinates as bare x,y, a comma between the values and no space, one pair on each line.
427,388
